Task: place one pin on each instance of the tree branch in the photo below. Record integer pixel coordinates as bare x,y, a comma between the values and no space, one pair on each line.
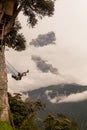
11,22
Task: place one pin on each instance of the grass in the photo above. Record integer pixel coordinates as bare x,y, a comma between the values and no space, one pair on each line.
5,126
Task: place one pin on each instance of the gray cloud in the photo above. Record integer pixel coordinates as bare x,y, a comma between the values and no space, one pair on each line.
43,66
43,40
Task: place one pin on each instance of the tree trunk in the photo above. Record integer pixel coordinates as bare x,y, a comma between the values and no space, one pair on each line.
4,107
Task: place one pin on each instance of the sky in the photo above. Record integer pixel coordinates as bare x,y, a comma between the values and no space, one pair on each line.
67,56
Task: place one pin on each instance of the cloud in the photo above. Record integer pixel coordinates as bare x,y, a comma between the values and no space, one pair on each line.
75,97
43,66
63,98
22,61
55,99
44,40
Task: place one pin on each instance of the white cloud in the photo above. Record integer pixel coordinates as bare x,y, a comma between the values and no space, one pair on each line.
75,97
62,98
48,91
55,99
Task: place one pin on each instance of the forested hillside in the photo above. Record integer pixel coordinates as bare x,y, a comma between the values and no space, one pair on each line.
75,110
24,116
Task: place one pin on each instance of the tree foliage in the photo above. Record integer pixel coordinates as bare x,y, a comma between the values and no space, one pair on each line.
29,124
52,122
23,115
34,10
23,112
15,39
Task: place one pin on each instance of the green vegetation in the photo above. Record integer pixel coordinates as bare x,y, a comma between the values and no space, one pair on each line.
23,116
69,109
5,126
29,124
59,123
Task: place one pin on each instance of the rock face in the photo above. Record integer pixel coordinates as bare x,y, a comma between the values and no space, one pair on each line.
4,107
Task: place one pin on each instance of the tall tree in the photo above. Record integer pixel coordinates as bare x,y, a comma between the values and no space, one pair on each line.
9,36
52,122
23,113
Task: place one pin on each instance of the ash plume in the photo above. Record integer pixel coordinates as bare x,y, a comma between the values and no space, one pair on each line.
44,40
43,66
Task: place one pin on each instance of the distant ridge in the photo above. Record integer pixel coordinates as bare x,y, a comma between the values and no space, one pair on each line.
75,110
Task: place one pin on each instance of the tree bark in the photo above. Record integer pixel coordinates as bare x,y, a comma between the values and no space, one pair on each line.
11,22
4,107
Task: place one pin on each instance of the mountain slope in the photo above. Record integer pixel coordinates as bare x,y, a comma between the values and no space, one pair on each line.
74,110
